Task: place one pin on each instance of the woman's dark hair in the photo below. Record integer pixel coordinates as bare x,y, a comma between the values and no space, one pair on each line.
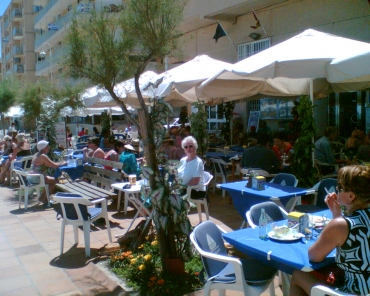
279,135
118,144
95,130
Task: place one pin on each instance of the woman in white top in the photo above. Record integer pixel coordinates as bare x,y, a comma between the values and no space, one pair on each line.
191,169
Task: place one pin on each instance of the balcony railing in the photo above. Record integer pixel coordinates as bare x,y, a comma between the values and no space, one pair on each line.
17,12
7,56
18,68
17,31
6,23
17,50
44,10
60,24
42,65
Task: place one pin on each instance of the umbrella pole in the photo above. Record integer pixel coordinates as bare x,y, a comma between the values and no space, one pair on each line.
313,140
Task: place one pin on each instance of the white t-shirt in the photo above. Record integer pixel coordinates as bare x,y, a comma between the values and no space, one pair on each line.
192,169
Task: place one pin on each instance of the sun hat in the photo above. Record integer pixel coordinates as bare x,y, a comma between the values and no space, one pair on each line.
134,145
42,145
167,138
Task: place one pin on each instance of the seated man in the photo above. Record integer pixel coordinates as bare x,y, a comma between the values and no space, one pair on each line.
323,150
357,139
260,156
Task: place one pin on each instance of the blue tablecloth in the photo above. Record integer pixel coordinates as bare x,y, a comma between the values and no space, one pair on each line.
75,172
243,197
77,156
81,145
285,256
223,156
237,148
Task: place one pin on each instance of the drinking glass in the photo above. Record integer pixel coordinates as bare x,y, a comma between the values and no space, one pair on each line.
308,230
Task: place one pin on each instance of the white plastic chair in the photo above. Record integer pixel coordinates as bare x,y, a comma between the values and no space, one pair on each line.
228,273
273,212
203,201
219,168
319,165
320,290
25,186
287,180
24,164
76,213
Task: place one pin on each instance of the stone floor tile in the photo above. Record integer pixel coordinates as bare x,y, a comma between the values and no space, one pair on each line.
28,249
51,275
28,291
16,282
56,287
13,271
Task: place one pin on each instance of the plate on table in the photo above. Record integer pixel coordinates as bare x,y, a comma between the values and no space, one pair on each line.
285,237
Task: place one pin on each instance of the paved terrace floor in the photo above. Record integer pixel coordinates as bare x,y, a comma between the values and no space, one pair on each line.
30,260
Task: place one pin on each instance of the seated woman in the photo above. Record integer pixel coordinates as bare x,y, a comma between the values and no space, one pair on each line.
168,147
105,140
92,149
22,148
348,233
113,155
190,172
41,164
129,158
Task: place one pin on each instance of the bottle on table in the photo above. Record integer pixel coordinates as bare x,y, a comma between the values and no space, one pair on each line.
262,225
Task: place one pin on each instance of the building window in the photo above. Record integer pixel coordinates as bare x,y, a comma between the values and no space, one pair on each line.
248,49
214,123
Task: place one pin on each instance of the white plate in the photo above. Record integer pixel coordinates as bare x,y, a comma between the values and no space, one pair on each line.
287,238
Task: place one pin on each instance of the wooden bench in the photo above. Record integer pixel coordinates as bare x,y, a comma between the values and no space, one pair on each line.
100,179
94,170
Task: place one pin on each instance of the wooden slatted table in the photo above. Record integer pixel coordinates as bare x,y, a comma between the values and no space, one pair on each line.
86,190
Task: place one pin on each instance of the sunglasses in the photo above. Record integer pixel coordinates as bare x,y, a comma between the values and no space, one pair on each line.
190,146
340,188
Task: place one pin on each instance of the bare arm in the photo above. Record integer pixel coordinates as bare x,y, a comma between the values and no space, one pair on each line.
194,181
49,163
333,235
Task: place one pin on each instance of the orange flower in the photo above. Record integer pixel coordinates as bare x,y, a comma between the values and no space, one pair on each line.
153,278
196,273
160,282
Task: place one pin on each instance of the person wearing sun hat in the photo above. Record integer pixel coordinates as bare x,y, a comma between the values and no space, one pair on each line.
168,147
129,159
42,164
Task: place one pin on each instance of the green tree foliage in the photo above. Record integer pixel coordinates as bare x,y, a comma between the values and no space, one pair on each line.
226,110
44,101
7,97
199,126
107,48
302,164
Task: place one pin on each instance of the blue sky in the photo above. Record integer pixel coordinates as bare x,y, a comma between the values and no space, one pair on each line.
3,5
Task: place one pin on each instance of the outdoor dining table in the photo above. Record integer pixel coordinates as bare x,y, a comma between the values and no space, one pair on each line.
244,197
223,156
283,255
73,170
86,190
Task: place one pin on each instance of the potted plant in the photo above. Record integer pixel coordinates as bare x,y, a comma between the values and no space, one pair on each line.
168,202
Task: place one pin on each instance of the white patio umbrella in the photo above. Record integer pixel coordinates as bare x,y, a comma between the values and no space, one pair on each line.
294,67
350,73
96,97
178,84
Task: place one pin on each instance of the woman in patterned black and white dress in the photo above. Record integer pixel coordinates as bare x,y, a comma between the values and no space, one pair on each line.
348,233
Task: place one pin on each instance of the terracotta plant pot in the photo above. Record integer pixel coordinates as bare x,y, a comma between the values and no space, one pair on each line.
174,265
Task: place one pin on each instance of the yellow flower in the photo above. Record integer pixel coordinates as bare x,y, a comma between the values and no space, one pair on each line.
147,237
141,267
154,243
141,246
147,257
132,261
160,282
